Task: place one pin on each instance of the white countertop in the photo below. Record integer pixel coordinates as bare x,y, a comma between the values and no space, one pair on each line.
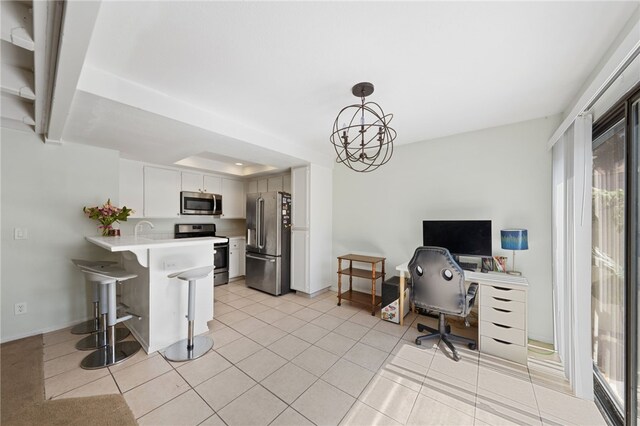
128,243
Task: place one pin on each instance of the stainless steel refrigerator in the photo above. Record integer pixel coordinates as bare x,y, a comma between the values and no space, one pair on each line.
268,242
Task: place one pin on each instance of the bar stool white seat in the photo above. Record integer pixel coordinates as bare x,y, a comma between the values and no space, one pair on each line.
98,338
92,325
113,352
191,347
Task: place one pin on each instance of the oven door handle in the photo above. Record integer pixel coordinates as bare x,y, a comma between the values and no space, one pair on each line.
261,258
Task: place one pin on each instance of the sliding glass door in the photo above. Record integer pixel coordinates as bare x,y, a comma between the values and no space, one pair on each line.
615,258
634,255
608,254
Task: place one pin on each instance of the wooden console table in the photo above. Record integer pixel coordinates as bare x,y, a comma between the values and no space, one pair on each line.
373,274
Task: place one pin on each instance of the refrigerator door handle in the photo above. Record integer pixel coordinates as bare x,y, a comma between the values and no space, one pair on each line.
261,258
261,223
258,222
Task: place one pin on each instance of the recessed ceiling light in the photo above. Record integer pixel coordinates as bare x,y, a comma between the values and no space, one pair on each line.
239,164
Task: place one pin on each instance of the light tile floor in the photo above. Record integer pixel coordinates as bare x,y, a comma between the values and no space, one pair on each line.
292,360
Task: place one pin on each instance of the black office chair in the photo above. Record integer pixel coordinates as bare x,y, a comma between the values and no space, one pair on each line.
438,285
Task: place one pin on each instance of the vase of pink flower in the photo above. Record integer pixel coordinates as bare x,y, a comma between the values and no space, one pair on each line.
107,215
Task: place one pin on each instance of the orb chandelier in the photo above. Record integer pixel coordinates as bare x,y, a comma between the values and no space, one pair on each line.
364,141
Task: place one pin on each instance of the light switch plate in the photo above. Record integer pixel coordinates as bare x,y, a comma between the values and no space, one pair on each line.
20,233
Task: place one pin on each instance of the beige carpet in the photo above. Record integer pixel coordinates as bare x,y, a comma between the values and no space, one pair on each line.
22,393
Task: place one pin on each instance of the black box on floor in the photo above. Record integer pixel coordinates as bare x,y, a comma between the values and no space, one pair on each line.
390,299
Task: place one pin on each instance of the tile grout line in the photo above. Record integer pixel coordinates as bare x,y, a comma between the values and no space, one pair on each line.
305,322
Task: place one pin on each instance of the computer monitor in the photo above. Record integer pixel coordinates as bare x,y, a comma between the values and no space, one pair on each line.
460,237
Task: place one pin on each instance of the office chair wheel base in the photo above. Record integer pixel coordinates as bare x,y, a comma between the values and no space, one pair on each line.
420,329
418,341
472,346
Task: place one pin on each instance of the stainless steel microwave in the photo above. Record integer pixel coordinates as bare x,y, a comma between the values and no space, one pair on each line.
200,203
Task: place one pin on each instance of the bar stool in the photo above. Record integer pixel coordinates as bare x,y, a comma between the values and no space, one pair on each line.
92,325
191,347
98,338
112,353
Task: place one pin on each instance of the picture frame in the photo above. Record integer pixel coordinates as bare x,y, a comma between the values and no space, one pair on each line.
500,263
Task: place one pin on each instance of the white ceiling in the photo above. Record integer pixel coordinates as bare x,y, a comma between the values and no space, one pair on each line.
262,82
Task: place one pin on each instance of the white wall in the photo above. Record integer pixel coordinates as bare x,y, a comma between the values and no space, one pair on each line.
502,174
44,188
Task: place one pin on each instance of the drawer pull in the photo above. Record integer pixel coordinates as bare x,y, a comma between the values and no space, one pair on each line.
501,288
501,299
502,310
500,325
502,341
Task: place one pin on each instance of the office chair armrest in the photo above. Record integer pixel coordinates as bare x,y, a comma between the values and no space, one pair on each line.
471,294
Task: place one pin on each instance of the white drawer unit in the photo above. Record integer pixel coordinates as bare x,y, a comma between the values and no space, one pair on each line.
500,292
504,333
501,316
502,327
503,349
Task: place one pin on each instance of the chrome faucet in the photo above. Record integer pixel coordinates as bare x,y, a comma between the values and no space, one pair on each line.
142,222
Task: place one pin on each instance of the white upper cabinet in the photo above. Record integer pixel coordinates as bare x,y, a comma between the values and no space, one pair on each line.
274,183
281,182
131,186
300,198
154,192
161,192
197,182
233,199
263,185
212,184
286,183
252,186
191,182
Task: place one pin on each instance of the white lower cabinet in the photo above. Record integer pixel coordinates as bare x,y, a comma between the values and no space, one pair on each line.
236,257
300,260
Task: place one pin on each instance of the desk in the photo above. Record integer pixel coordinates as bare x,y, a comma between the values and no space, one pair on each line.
502,312
372,274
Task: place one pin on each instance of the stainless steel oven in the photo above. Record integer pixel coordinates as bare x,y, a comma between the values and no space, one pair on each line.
221,255
221,262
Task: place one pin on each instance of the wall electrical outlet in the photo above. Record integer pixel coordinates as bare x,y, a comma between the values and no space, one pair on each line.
169,264
20,308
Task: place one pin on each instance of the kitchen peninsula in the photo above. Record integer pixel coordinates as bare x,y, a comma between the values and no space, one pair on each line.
159,300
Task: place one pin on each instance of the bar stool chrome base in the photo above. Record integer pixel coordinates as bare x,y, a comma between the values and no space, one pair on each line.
89,326
108,355
98,340
179,351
